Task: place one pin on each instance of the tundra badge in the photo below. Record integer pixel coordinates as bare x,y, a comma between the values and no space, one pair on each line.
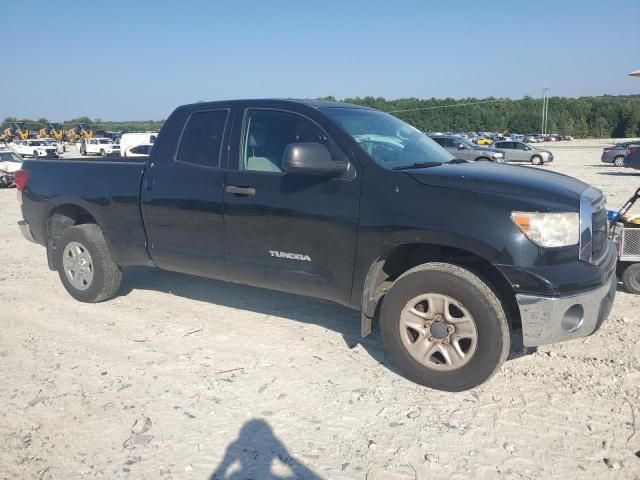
290,256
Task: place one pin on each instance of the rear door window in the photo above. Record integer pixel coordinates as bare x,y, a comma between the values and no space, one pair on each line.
201,140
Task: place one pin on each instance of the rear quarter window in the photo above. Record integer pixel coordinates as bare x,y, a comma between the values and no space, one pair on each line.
201,140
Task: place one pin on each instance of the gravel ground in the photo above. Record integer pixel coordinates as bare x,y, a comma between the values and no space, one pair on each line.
181,377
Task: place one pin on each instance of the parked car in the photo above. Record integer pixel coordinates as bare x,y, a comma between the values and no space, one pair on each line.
483,141
521,152
35,148
60,147
632,159
99,146
466,150
616,153
138,150
132,139
451,257
10,163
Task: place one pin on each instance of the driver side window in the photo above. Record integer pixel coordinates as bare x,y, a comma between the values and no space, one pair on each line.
267,133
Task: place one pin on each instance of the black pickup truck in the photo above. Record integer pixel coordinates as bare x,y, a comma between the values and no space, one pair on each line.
450,258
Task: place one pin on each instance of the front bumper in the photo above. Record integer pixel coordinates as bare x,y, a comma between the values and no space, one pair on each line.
26,231
548,320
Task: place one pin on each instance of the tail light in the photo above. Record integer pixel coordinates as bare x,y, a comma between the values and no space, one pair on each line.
21,177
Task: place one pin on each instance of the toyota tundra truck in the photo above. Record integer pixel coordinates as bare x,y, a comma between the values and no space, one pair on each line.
450,259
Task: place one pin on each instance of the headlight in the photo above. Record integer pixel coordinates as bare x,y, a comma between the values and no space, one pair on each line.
549,229
497,155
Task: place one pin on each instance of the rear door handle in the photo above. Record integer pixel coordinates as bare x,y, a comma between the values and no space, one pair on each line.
149,182
245,191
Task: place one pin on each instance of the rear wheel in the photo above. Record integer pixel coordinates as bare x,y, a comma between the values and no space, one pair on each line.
35,154
444,327
631,278
536,160
618,161
85,266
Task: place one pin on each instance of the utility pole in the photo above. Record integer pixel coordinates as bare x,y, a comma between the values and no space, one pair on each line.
545,107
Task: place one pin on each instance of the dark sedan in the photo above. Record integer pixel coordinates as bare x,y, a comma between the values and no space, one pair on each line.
617,153
632,159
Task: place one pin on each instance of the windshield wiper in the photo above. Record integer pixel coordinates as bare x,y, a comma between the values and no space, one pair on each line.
458,160
418,165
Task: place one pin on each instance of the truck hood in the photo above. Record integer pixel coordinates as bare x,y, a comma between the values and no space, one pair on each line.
504,180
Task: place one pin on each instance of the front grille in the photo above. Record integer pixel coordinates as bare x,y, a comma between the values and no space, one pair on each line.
600,231
594,226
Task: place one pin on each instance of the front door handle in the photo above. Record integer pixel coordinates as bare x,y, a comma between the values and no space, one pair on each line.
244,191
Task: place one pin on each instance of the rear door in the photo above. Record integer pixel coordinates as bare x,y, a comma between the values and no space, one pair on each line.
182,196
288,231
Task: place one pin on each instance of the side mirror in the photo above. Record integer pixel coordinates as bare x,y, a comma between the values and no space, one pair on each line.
462,146
311,159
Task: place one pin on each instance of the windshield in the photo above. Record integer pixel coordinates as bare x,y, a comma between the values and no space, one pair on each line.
9,157
104,140
388,140
467,142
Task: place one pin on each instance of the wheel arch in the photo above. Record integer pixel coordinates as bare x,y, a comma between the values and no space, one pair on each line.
59,219
396,260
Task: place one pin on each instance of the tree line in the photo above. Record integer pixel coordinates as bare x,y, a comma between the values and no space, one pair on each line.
601,117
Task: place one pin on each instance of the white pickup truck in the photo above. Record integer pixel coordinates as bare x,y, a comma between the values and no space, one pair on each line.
99,146
34,148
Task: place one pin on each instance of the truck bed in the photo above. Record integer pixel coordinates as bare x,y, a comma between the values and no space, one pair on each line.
107,188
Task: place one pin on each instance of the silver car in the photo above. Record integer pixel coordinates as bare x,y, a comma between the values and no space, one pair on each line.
521,152
466,150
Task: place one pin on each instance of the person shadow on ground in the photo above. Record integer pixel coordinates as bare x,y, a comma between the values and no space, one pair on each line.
252,455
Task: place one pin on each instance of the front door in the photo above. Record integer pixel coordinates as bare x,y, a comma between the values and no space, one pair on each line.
182,198
289,231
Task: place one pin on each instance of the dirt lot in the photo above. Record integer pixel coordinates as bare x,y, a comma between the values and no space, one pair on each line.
181,377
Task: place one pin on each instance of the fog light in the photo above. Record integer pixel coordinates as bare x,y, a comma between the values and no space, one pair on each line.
573,319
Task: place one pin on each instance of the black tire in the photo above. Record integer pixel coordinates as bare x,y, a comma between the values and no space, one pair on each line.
83,152
619,161
103,153
493,336
631,278
536,160
107,276
35,154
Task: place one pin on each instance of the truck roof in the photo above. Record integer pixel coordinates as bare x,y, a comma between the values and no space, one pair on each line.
309,102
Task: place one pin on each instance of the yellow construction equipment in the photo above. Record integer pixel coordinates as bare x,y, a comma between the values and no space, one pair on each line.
78,132
14,132
51,130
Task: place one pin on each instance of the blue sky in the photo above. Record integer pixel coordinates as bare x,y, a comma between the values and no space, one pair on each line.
138,59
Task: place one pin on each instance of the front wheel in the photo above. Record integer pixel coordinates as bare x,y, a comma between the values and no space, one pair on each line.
103,153
631,278
444,327
85,266
536,160
618,161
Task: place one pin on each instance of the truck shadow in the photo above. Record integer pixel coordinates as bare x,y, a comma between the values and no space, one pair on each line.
252,455
270,302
